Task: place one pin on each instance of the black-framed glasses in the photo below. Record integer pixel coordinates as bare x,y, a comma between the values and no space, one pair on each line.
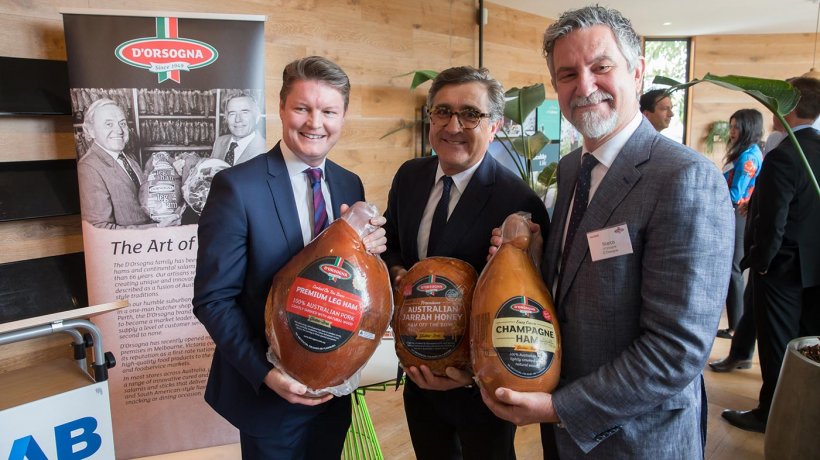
467,118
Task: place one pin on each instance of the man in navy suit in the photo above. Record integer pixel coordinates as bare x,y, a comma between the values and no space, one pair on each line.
783,251
259,214
445,414
638,259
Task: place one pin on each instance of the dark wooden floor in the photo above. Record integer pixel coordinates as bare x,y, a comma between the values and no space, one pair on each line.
734,390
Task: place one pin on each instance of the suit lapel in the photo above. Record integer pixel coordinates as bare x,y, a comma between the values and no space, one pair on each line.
615,186
469,206
282,194
337,194
416,196
568,175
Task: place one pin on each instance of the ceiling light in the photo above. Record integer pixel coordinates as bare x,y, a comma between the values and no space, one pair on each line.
667,23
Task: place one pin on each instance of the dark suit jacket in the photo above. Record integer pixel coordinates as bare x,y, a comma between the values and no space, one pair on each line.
784,212
492,194
637,329
248,230
108,196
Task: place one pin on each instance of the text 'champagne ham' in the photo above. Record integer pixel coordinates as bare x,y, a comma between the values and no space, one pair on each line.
329,306
514,337
432,312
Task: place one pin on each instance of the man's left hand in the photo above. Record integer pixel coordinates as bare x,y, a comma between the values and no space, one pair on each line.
424,378
521,408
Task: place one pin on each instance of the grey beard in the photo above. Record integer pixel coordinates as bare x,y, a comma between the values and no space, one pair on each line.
594,126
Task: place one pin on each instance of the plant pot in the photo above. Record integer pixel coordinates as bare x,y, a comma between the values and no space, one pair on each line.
791,431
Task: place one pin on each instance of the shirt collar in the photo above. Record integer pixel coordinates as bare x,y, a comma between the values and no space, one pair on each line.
242,143
295,165
114,155
461,179
609,150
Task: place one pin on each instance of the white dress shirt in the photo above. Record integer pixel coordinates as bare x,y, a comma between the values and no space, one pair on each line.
303,193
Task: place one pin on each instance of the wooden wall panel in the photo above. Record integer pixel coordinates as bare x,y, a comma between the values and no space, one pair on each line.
767,56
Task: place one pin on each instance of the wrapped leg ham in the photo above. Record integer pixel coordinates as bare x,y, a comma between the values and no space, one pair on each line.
329,306
432,312
514,337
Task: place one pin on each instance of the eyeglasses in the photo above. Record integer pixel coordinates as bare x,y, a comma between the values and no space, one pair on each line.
467,118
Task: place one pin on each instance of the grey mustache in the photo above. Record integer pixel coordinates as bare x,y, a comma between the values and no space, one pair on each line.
594,98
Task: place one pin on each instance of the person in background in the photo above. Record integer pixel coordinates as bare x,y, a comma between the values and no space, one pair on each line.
243,143
656,106
109,179
445,414
783,251
260,214
637,259
743,161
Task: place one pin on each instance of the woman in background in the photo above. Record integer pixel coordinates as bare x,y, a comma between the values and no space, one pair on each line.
742,166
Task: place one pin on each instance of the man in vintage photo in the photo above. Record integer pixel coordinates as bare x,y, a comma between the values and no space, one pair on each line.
243,143
110,180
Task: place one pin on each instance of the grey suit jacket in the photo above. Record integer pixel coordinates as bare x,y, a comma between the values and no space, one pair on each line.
637,329
256,147
108,197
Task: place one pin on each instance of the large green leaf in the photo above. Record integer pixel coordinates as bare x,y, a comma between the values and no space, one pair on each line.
777,95
534,144
522,101
547,175
421,76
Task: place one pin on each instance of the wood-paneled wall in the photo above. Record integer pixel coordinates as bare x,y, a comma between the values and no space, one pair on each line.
373,40
777,56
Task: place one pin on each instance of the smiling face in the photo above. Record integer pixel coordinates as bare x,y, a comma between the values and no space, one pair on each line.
597,92
110,128
662,115
458,148
242,115
312,118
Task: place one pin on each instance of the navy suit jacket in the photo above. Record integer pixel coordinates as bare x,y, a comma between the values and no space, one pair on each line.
492,194
248,230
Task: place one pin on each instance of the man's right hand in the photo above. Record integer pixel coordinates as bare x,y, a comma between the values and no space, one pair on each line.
397,272
535,248
292,391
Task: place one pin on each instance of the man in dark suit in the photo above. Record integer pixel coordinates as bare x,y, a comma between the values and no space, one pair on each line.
244,142
110,179
637,258
446,417
783,250
258,216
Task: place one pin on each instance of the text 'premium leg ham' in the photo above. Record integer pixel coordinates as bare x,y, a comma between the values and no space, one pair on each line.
330,305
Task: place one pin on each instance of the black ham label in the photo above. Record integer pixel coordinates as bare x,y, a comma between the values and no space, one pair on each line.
324,304
524,337
432,320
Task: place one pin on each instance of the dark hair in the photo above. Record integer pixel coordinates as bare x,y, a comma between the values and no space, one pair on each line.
315,68
749,123
809,104
467,74
651,98
625,37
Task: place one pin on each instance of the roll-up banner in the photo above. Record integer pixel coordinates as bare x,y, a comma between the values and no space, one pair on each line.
161,102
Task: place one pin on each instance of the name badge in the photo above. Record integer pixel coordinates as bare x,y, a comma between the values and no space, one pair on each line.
609,242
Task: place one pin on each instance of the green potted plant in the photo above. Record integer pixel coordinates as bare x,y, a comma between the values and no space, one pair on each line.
718,133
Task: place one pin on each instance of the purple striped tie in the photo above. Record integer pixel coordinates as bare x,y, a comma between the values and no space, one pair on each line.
319,211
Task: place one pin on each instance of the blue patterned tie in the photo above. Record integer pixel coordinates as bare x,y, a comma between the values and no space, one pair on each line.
319,211
579,205
440,215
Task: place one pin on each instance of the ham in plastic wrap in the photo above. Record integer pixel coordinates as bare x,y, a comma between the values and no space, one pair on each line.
432,312
329,307
515,341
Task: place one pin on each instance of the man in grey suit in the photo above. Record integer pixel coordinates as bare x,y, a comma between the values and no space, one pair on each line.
640,281
109,179
243,143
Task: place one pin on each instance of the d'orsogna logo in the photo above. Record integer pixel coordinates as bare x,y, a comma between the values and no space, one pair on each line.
166,54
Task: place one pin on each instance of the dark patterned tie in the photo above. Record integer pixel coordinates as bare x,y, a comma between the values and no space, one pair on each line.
319,211
440,215
229,155
129,169
579,205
